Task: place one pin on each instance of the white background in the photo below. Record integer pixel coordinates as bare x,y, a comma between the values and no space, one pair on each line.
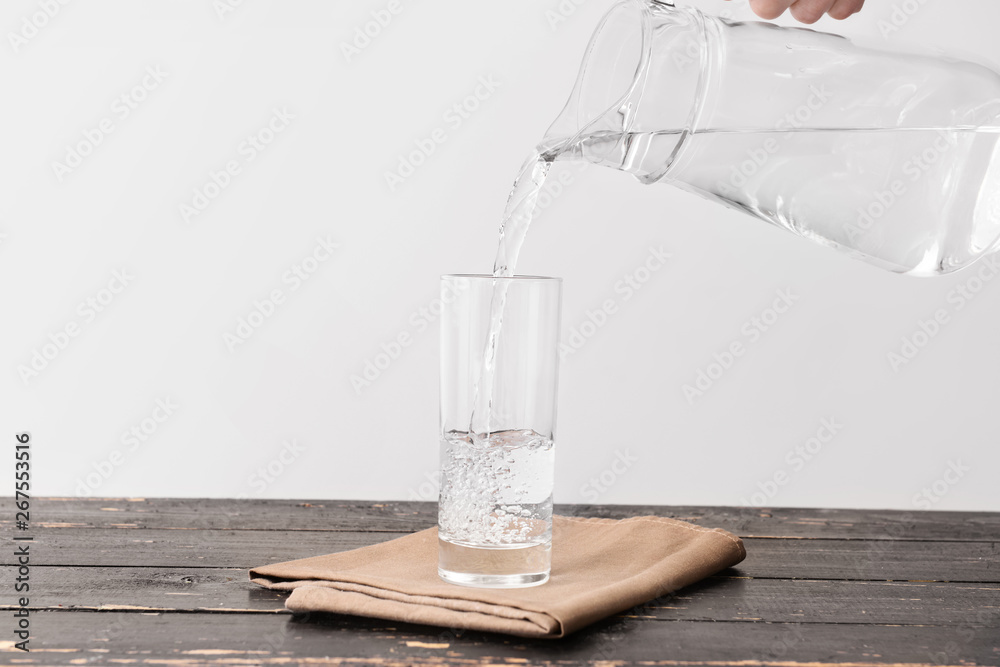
162,336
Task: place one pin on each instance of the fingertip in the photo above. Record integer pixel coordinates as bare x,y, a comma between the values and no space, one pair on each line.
769,10
805,17
768,15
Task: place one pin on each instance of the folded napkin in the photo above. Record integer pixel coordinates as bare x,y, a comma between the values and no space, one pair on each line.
599,567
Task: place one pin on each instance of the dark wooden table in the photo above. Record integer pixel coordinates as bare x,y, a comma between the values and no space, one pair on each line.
164,582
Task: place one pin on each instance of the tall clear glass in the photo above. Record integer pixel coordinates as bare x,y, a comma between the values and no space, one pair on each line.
495,510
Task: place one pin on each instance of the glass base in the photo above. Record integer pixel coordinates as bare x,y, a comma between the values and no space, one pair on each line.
494,580
506,566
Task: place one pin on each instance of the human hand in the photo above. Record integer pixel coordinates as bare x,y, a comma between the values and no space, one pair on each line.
806,11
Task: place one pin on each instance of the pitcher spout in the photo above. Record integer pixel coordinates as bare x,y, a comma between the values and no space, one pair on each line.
616,115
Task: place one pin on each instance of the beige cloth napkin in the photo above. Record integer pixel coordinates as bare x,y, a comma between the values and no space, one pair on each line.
599,567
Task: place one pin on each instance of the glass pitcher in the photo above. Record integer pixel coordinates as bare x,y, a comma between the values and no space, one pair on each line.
891,157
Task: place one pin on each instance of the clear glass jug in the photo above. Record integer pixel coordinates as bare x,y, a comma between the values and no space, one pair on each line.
890,157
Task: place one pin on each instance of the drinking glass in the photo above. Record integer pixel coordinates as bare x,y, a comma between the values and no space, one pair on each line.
495,509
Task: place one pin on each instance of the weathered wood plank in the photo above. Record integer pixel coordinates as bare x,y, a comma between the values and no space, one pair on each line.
103,637
339,515
722,598
878,560
840,572
192,548
776,558
226,514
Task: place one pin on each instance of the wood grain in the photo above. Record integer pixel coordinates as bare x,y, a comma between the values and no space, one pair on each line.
724,597
163,581
877,560
405,517
227,639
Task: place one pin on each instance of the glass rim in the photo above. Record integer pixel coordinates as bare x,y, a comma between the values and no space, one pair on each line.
487,276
